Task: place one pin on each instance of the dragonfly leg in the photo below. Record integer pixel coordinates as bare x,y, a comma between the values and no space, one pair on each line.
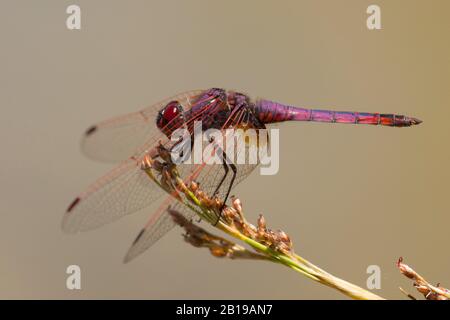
234,169
226,168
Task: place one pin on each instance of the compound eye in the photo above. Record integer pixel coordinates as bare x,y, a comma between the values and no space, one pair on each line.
172,110
168,114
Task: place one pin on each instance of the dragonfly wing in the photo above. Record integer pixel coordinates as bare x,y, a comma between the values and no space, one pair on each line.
160,224
211,176
124,190
127,188
208,177
119,138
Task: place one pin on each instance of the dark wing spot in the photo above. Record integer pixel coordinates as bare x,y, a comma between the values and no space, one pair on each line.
138,236
90,130
73,204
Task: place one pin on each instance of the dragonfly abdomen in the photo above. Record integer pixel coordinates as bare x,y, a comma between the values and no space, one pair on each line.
271,112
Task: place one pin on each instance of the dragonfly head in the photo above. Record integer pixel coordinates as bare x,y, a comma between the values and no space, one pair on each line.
170,118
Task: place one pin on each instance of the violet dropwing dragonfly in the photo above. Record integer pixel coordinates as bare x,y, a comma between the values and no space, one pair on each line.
132,138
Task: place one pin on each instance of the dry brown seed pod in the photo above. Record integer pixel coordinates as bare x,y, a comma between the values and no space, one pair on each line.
406,270
252,228
261,223
233,214
241,226
269,237
193,186
217,203
200,194
218,252
422,288
282,236
237,204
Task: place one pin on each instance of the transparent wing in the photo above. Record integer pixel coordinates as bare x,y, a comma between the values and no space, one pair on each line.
119,138
208,177
122,191
127,188
159,224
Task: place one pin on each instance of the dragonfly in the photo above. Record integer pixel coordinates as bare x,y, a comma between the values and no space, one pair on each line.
131,140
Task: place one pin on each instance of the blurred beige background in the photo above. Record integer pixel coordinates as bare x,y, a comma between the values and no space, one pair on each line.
350,196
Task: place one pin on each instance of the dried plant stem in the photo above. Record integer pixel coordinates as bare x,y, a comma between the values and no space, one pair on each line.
294,262
305,267
429,291
267,244
276,246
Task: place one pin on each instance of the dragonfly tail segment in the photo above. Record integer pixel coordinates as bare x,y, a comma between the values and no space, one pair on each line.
271,112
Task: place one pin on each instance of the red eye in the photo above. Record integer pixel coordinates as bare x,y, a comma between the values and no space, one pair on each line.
167,117
171,111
